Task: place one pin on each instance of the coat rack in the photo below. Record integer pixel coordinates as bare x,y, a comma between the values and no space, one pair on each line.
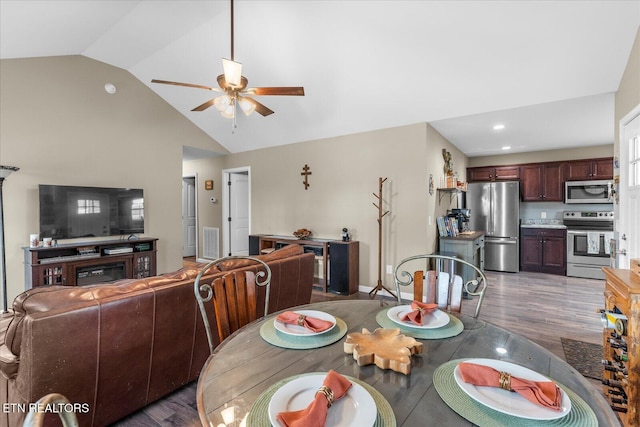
381,214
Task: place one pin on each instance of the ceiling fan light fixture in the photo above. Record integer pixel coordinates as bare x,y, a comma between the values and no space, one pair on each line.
232,72
247,106
222,102
229,112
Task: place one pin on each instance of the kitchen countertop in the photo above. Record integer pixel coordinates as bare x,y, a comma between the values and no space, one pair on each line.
557,226
467,235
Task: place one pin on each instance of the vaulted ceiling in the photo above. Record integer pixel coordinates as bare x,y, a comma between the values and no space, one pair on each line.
548,70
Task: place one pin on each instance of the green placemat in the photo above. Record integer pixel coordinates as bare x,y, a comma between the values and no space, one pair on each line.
259,412
451,329
270,334
451,393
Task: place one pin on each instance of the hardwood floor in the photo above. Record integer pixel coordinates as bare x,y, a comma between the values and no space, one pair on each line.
541,307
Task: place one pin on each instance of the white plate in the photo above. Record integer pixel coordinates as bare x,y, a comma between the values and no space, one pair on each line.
356,408
435,319
508,402
301,330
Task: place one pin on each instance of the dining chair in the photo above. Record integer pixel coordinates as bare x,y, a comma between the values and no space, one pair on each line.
438,286
36,418
234,296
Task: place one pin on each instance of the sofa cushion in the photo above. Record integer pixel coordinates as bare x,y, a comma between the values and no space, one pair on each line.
283,252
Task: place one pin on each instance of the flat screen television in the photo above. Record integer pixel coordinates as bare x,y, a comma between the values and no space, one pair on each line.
68,212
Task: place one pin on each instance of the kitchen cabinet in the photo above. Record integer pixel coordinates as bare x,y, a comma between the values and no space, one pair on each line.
543,250
542,182
493,173
588,169
468,247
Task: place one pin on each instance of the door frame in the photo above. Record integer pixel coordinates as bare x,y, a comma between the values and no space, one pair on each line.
195,198
225,203
623,158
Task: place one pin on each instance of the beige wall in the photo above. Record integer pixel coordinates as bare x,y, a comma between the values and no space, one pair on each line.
59,126
345,173
628,94
544,156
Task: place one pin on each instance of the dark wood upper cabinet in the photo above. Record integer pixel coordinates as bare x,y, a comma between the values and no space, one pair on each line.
588,169
493,173
542,182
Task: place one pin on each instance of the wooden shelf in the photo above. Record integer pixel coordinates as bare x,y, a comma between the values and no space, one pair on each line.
622,294
450,191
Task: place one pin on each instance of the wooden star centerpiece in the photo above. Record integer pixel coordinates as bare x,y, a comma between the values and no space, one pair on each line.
387,348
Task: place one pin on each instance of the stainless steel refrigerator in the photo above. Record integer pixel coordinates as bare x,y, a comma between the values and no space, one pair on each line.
495,209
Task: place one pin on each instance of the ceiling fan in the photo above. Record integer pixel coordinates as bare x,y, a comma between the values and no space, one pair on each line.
233,85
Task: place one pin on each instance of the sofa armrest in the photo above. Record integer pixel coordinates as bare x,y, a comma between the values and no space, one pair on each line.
9,363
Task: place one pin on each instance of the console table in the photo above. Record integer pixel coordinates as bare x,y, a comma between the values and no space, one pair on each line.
87,263
340,260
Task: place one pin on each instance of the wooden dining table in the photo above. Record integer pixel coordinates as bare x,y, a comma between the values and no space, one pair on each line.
245,366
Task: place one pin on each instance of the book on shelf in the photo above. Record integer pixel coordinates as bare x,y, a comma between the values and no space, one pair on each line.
447,226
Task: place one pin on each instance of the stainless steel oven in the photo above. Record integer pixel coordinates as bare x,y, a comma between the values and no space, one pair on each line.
588,237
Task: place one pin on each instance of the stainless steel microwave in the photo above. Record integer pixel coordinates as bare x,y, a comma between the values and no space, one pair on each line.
597,191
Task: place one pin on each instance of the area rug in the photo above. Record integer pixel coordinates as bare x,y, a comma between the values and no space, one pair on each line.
584,357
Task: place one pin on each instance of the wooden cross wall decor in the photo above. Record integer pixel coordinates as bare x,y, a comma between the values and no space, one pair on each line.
306,171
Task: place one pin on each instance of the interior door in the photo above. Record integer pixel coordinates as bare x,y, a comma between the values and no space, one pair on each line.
627,225
238,213
189,228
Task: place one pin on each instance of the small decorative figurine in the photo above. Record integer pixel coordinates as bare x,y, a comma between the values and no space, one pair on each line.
448,163
345,235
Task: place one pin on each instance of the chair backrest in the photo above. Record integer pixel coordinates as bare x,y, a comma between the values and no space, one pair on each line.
234,296
36,418
439,287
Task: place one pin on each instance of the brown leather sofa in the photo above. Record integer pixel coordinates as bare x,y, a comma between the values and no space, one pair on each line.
111,349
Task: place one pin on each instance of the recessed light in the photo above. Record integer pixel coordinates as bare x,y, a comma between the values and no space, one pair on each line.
110,88
498,127
506,147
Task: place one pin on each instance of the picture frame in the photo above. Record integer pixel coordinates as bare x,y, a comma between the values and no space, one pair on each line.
208,184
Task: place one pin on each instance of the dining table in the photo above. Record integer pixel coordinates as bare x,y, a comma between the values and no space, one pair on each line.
244,379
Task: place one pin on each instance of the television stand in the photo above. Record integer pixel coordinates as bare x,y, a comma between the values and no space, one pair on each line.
85,263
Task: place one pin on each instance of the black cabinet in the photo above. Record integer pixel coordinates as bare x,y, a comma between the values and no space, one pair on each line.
343,267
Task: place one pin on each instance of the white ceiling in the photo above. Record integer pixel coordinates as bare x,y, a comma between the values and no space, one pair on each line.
546,69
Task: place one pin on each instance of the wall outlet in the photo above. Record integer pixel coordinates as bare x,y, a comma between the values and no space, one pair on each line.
429,219
543,215
389,269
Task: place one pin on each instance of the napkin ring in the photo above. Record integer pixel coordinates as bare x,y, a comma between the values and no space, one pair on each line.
301,320
328,393
505,381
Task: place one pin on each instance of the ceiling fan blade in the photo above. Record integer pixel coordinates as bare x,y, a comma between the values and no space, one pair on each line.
166,82
260,108
290,91
204,106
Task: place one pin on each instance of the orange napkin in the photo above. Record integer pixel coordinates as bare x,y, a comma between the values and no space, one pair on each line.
312,323
315,415
545,393
418,310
